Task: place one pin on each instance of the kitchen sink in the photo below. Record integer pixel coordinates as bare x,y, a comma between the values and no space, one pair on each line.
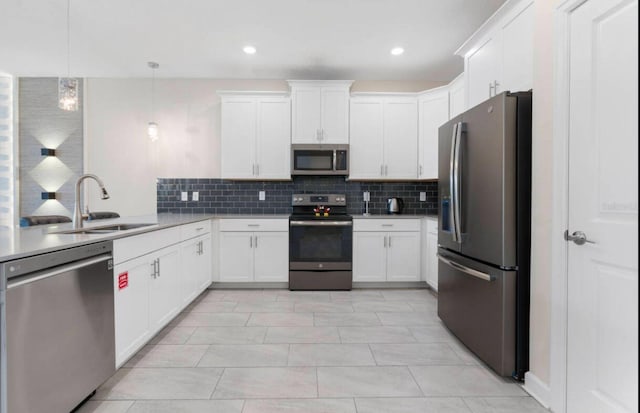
107,229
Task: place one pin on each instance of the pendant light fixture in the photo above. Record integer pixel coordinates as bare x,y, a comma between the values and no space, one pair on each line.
152,127
68,86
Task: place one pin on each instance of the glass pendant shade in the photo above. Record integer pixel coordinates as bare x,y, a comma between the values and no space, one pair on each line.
152,130
68,93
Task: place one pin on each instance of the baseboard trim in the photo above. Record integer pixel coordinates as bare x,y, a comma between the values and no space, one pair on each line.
217,285
538,389
247,286
390,284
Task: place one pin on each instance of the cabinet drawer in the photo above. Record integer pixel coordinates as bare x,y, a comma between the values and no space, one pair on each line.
195,229
254,225
399,224
127,248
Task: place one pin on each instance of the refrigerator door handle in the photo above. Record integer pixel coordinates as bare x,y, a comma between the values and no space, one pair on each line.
470,271
456,178
452,185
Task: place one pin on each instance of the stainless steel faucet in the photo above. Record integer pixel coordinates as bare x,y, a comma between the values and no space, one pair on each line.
77,215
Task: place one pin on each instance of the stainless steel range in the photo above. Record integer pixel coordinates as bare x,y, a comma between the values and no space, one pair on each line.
320,243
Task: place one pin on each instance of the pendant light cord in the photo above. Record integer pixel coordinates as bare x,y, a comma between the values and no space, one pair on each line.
153,93
68,38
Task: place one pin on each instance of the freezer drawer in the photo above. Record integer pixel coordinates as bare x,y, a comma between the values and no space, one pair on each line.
478,304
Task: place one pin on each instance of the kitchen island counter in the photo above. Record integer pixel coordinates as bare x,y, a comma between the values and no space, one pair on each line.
24,242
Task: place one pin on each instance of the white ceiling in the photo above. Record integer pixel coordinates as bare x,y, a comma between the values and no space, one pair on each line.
296,39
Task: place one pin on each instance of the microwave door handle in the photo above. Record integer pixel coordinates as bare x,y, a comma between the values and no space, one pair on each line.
452,187
458,183
335,164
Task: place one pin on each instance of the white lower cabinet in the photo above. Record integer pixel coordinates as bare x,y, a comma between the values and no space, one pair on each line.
196,267
145,298
164,302
386,250
255,250
156,275
132,306
430,255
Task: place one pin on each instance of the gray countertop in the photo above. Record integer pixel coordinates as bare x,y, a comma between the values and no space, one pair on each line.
24,242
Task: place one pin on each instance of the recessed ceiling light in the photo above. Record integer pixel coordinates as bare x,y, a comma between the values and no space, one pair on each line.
397,51
249,50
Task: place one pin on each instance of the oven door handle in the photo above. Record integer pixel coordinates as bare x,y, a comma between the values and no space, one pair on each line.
320,223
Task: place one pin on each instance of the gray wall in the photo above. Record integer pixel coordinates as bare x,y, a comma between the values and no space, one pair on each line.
43,125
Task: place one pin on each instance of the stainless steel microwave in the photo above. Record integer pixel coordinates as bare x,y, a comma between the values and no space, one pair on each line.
319,159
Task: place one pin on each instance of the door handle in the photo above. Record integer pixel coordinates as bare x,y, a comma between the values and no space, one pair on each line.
578,238
420,170
257,169
457,183
158,259
386,170
452,183
256,242
381,170
389,241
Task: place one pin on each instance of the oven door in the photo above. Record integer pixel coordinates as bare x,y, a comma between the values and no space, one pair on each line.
320,245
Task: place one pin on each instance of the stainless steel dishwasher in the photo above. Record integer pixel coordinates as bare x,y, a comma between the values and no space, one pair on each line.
59,325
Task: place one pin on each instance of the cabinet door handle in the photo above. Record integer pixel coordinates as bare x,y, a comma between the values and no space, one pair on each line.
389,241
490,89
322,134
153,265
256,242
495,87
158,259
257,169
420,170
381,170
386,170
251,241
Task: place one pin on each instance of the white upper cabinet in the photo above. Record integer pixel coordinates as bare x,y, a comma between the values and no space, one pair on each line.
256,133
320,111
433,109
457,96
383,137
499,55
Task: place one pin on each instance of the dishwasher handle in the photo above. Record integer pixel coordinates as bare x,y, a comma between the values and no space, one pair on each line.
41,275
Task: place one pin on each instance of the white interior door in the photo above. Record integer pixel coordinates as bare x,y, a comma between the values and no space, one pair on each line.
602,340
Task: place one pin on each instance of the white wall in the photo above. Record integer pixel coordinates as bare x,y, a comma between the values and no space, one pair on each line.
188,114
542,202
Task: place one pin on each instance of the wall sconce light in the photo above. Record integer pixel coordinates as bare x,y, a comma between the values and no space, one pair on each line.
47,152
47,195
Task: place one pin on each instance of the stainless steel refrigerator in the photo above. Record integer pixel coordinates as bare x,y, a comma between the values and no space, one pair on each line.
484,230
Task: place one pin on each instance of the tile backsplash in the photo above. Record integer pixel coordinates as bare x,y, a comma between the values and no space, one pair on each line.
221,196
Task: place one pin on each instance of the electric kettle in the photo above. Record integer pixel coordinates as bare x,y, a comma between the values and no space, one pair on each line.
394,205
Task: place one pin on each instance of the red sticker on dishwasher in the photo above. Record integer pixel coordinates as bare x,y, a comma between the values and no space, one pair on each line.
123,280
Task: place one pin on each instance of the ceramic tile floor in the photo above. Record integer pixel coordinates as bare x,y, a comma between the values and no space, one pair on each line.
263,351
